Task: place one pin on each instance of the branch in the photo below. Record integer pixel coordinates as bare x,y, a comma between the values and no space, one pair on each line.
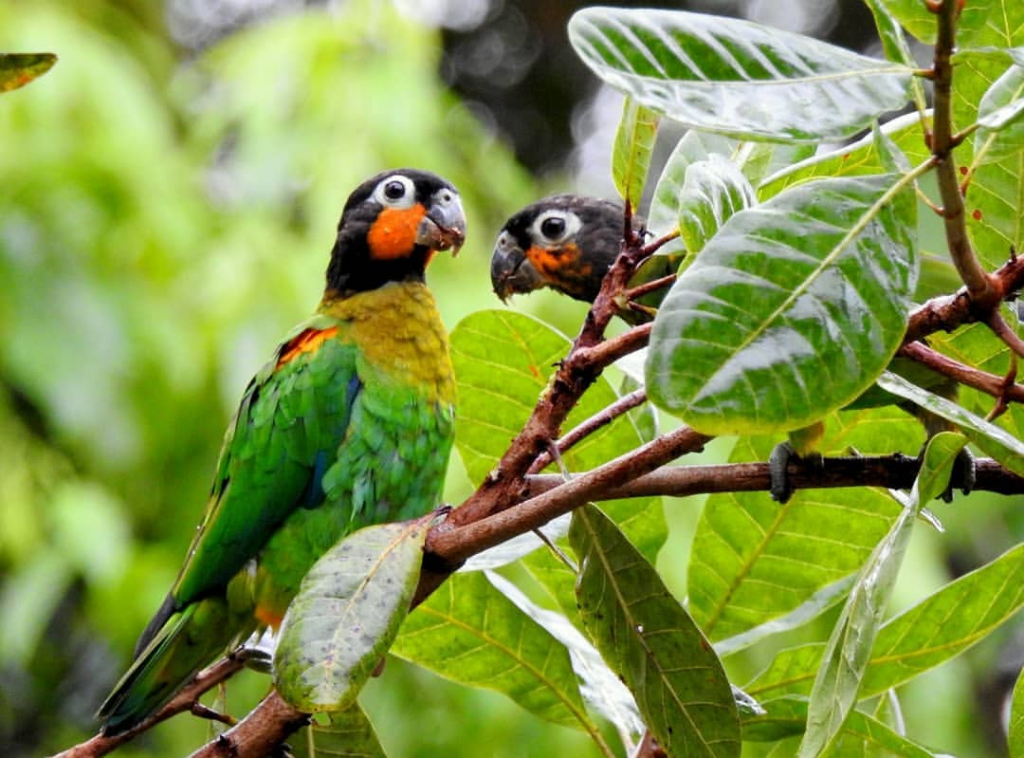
889,471
256,736
990,384
942,144
206,680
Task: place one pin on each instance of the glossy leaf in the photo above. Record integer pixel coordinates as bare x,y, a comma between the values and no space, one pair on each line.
930,633
921,22
848,650
735,77
503,361
18,69
1015,730
648,639
754,560
1001,118
857,159
348,610
470,633
942,626
993,440
790,312
713,191
343,734
940,456
601,689
631,155
894,43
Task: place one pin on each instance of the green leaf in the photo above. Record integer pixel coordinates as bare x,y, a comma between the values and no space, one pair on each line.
755,560
791,311
18,69
600,688
1001,126
1015,731
648,639
894,43
921,22
940,456
503,361
344,734
935,630
470,633
787,715
849,647
631,155
713,191
993,440
857,159
948,622
348,610
735,77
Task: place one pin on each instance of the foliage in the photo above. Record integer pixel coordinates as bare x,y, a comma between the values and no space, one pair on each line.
797,293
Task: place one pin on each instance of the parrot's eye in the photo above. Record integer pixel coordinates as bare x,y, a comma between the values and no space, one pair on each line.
555,227
396,191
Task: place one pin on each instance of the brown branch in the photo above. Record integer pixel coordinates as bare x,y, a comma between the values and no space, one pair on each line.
185,700
1003,331
993,385
589,426
942,144
256,736
889,471
946,313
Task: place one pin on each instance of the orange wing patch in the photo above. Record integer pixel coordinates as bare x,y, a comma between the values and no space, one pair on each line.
269,617
307,341
393,234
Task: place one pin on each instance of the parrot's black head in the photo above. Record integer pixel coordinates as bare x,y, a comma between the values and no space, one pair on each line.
391,226
566,242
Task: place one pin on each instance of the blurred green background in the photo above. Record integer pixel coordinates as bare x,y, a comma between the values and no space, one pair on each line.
168,199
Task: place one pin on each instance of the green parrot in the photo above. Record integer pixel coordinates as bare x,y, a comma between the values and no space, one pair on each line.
350,423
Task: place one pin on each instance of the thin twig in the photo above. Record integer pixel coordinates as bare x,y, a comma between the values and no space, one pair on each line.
990,384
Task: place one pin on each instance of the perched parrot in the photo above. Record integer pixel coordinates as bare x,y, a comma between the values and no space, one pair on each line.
568,243
350,423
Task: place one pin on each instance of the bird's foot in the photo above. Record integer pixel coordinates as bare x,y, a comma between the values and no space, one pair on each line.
780,487
964,471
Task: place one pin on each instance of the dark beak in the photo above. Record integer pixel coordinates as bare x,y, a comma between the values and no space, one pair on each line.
444,226
511,271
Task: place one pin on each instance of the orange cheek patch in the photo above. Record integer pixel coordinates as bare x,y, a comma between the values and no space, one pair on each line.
553,264
307,341
394,232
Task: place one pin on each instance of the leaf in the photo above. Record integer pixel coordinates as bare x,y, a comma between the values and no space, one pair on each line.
600,688
343,734
849,647
713,191
631,155
857,159
927,635
787,715
992,440
755,560
735,77
942,626
1015,728
940,456
18,69
1001,118
790,312
503,361
348,610
649,640
921,22
470,633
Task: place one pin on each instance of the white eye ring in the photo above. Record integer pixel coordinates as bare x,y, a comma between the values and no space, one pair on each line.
395,191
554,227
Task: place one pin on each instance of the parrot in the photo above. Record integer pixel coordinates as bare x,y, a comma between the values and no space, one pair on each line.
349,423
567,243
